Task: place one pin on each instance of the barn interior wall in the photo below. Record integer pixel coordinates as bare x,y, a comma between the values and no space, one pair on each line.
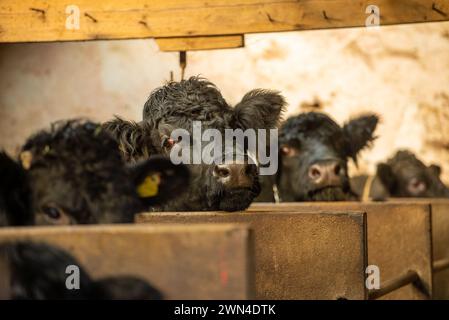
399,72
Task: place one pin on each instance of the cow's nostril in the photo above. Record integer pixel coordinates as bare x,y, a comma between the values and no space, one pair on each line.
222,172
314,173
337,169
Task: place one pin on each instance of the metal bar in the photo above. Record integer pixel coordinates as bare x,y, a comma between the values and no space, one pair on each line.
440,265
394,284
182,63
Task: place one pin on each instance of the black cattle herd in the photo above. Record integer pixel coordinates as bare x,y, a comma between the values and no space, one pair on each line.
81,172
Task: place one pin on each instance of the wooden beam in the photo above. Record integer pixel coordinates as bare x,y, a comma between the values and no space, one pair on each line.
45,20
200,43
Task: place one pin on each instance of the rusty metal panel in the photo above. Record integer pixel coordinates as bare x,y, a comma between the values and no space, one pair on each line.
297,255
440,236
184,262
399,238
440,240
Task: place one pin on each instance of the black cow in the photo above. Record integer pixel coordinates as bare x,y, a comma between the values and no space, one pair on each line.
403,175
73,173
313,155
229,186
39,271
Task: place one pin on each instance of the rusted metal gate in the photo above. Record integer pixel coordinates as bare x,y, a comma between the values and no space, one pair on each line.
184,262
297,255
399,242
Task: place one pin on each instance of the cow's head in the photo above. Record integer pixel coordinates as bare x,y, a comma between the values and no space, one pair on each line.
179,106
38,271
314,152
75,175
404,175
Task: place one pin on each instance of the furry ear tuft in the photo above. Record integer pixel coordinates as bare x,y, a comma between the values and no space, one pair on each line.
435,169
136,140
386,176
359,133
259,109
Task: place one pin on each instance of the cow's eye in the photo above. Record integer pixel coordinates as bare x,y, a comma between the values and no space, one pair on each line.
167,142
52,212
289,151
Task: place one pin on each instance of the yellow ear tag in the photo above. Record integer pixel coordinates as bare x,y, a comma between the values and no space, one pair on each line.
150,186
26,157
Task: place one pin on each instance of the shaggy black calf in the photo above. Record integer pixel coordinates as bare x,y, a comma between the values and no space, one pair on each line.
229,186
313,156
403,175
39,271
74,174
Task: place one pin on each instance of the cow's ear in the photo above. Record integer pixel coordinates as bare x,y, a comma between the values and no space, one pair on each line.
14,193
158,180
359,133
386,176
259,109
435,169
135,140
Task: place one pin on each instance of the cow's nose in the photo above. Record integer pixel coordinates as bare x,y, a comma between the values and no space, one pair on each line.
325,174
235,175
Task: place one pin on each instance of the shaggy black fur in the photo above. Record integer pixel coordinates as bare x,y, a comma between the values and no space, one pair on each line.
359,134
128,288
404,175
38,271
311,138
136,140
15,202
77,176
177,105
197,99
